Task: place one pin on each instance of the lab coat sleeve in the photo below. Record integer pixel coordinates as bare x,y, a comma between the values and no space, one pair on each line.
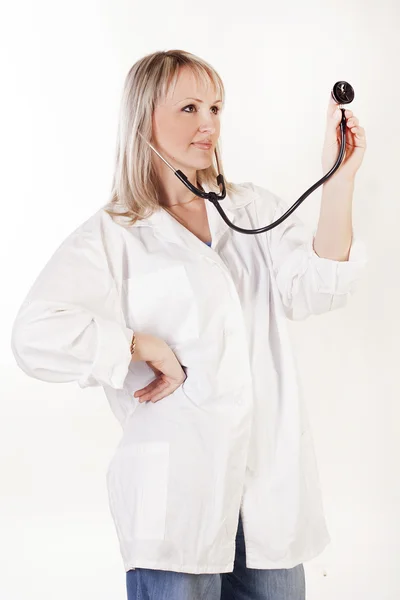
70,326
308,284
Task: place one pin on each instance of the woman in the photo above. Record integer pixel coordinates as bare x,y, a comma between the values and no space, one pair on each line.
213,487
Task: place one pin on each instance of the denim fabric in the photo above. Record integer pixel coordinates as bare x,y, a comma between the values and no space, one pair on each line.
241,584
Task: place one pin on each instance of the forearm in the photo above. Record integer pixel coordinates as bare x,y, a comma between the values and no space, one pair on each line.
148,347
334,234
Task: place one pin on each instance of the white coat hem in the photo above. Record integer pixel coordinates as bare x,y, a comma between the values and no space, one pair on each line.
287,564
194,569
251,563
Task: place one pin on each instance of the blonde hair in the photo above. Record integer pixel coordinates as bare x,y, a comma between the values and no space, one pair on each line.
135,183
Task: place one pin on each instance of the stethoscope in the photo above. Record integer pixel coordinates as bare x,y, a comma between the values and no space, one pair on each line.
342,93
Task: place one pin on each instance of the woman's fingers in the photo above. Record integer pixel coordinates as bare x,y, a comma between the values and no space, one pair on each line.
160,395
152,391
153,384
159,388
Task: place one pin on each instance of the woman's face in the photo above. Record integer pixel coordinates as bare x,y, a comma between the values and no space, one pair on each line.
191,113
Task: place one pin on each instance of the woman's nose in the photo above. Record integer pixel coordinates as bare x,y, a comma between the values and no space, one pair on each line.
207,130
207,124
208,127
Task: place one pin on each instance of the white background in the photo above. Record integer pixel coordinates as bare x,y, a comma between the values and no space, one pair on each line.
62,69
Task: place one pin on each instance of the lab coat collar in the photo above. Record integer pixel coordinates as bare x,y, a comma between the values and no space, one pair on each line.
165,226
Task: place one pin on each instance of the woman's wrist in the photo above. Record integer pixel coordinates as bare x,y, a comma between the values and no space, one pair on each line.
147,347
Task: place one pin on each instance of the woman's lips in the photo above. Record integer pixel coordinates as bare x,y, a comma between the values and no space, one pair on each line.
203,146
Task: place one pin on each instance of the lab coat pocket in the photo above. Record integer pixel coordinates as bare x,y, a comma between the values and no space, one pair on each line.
137,481
163,303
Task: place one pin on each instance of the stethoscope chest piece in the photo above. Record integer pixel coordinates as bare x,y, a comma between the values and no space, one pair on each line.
342,92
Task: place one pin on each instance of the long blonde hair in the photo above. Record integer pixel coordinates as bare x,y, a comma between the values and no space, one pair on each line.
135,185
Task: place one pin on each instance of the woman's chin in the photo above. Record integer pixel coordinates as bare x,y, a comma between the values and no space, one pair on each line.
201,162
198,165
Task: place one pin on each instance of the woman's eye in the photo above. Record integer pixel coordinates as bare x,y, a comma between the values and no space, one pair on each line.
190,105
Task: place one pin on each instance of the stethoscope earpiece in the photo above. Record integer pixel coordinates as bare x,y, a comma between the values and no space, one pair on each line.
342,92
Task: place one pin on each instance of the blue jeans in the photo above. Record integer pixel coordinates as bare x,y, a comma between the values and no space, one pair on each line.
241,584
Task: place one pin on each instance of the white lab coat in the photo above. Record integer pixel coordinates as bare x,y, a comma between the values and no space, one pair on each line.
235,435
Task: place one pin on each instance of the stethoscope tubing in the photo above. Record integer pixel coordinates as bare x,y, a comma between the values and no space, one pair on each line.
342,93
215,198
